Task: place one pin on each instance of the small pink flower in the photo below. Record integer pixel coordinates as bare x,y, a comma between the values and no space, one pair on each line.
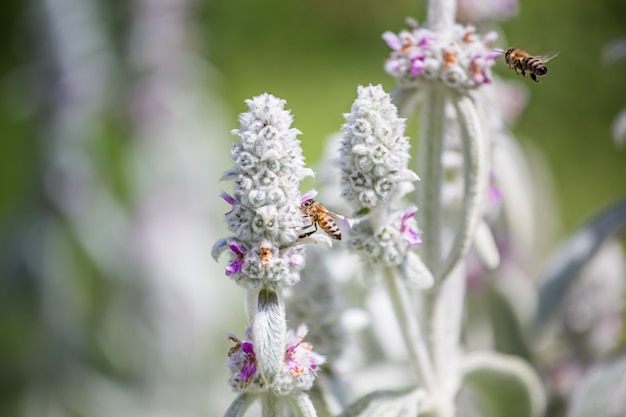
411,234
393,41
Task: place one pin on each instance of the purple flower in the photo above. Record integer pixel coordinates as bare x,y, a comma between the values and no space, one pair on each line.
460,58
242,354
298,371
249,366
291,361
236,265
405,228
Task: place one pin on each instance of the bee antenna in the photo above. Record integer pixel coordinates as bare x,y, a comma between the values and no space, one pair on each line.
498,50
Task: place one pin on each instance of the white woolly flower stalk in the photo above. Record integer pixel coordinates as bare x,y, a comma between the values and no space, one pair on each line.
440,63
267,256
374,157
444,61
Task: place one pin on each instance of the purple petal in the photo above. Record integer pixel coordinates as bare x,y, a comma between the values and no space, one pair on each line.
425,37
234,246
235,266
309,195
417,69
392,40
410,213
247,348
228,198
413,237
248,370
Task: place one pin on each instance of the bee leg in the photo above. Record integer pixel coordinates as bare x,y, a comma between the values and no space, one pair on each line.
534,77
307,234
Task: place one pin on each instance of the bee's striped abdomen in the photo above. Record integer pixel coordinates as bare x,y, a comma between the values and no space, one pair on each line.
329,226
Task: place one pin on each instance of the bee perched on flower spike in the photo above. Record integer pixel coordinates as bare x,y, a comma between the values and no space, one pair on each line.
319,215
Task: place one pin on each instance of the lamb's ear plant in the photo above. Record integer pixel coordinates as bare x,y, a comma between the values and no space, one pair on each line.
271,364
410,232
437,66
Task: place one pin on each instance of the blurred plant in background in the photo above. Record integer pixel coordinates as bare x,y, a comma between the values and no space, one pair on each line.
111,306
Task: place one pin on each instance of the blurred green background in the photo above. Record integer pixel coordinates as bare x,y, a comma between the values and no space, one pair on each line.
312,53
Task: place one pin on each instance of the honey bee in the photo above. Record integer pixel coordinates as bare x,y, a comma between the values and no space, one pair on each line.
523,62
319,215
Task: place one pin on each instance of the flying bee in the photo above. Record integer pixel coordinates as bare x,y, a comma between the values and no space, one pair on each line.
319,215
522,61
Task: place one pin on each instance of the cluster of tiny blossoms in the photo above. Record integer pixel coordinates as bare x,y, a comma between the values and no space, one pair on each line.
460,58
265,216
374,157
297,374
374,151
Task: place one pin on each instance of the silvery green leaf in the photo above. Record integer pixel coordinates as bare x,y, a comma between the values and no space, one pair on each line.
446,330
498,385
302,405
485,245
387,404
239,405
564,266
603,391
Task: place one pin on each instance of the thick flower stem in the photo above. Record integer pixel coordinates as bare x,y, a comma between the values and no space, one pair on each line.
271,405
431,173
476,178
410,329
441,14
268,329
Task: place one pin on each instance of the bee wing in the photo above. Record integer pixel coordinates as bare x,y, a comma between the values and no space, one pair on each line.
547,57
336,215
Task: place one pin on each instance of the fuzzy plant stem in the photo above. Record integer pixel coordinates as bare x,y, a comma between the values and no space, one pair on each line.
301,405
410,329
431,173
271,405
441,14
268,331
476,177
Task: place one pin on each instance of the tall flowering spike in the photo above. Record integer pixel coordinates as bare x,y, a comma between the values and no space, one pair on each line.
374,151
297,373
459,58
374,157
265,217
